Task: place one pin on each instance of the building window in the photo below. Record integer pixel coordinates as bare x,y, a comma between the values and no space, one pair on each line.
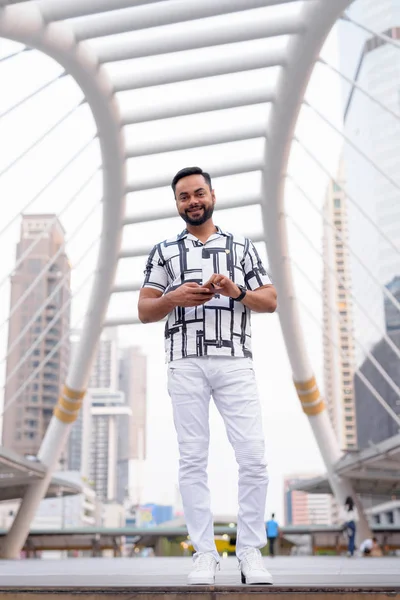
336,202
390,517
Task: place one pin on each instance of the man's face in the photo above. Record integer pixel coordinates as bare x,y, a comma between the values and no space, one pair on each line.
194,200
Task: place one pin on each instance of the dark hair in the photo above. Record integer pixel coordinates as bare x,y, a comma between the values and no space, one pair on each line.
273,515
349,503
186,172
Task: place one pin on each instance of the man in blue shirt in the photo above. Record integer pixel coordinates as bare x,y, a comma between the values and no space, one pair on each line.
272,534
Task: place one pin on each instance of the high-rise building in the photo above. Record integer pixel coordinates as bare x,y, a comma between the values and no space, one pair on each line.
108,408
376,132
132,441
305,509
80,439
374,424
392,314
104,373
338,341
27,414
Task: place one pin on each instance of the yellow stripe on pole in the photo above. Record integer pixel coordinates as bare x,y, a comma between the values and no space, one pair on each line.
310,398
305,386
68,405
73,394
63,416
311,411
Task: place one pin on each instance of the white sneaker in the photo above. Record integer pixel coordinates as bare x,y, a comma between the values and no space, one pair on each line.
253,570
203,573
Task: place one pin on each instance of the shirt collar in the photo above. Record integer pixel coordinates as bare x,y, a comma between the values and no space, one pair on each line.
219,231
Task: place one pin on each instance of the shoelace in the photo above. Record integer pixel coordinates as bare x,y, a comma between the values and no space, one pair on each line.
204,562
253,560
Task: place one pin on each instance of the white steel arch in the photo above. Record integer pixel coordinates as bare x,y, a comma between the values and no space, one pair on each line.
25,24
32,24
302,55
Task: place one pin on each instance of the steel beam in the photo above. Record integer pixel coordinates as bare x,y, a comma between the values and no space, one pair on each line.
245,165
163,13
246,97
57,10
198,69
145,250
247,200
196,140
171,42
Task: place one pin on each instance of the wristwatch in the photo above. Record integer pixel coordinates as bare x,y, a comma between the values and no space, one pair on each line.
243,292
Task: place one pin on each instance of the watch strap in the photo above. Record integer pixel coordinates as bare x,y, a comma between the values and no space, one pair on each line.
241,295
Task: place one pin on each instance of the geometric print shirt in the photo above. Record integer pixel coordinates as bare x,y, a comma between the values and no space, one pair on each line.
221,326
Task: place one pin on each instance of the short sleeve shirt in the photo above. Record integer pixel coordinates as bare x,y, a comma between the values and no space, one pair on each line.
221,326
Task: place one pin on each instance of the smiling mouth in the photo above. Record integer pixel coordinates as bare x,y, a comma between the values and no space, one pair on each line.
194,211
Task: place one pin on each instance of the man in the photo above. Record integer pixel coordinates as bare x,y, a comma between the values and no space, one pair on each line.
370,547
207,281
272,534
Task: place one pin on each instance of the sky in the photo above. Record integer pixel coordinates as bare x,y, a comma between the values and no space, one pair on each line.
291,447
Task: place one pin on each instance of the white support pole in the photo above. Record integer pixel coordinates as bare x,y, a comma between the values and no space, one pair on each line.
336,345
24,23
194,106
342,322
57,10
127,287
209,36
303,51
242,165
197,139
198,69
250,199
145,250
164,13
122,321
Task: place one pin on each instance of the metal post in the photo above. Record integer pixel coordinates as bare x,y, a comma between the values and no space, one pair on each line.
303,51
24,23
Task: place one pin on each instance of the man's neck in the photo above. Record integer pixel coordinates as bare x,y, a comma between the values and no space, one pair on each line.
202,232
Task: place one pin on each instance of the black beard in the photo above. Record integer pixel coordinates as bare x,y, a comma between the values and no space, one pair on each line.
207,214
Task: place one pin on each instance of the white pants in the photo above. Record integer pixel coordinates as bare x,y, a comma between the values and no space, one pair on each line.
231,382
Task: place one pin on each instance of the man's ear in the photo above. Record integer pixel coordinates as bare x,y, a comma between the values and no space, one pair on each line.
213,196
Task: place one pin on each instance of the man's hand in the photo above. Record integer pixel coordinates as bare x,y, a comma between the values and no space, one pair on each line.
223,285
191,294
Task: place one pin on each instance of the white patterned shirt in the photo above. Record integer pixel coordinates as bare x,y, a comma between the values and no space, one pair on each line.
221,326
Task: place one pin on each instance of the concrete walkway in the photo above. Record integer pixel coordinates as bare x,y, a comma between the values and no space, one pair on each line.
318,573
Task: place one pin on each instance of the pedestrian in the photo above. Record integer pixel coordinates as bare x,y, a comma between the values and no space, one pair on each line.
272,534
350,518
207,281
